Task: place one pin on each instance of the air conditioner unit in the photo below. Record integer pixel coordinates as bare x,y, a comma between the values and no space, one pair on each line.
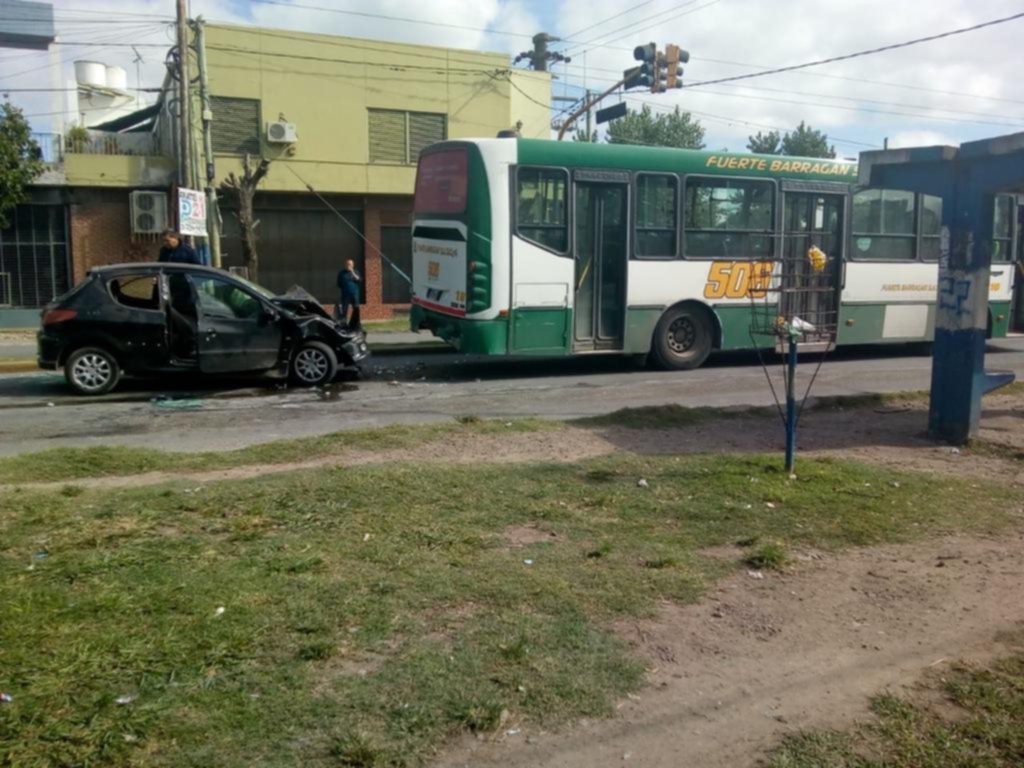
281,133
149,212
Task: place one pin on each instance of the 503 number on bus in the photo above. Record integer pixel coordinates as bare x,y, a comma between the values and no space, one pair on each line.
738,279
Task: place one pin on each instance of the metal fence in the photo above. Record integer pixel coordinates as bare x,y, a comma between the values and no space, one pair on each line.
53,146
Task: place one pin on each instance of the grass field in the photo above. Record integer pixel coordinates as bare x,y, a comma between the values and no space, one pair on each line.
966,716
364,616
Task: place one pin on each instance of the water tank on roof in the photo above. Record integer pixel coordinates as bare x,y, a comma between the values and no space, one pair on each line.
91,73
117,78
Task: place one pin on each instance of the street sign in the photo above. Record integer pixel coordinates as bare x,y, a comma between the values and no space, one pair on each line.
610,113
191,212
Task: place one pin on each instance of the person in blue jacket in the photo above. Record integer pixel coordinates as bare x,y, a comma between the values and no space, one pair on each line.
177,251
348,288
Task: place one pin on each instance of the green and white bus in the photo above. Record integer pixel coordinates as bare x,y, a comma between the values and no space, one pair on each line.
533,247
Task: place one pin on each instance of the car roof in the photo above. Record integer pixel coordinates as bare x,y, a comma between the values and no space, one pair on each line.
167,266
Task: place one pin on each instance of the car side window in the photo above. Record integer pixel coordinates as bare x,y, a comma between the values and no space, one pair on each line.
219,298
136,291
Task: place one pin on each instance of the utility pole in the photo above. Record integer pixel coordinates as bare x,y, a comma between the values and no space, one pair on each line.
589,95
184,113
540,55
212,210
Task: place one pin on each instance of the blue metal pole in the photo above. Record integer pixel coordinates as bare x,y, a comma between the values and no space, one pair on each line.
791,405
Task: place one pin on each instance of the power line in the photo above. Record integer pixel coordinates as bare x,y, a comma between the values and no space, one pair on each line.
101,45
902,113
651,21
884,83
610,18
859,99
915,115
403,19
858,54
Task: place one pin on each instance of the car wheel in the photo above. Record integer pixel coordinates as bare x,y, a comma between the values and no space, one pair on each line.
92,371
314,364
682,339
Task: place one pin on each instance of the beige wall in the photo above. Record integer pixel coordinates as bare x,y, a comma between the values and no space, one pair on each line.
326,84
118,170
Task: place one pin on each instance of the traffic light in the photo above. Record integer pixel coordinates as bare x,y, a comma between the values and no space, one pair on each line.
673,72
648,56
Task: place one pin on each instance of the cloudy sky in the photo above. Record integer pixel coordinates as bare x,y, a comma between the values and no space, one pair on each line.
948,91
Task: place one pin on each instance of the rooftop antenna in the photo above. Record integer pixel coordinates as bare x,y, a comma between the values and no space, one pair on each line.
138,60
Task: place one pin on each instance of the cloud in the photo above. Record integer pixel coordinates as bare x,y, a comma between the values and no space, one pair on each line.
960,87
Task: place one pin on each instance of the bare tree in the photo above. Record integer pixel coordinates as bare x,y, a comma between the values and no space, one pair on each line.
244,190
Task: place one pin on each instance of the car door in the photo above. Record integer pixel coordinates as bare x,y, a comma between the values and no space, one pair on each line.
237,330
136,319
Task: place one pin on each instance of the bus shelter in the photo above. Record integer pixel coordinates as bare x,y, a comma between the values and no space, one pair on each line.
967,178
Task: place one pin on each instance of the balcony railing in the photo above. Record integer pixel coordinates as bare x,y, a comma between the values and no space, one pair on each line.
54,146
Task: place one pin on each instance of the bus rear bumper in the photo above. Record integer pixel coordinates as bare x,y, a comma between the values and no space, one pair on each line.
471,337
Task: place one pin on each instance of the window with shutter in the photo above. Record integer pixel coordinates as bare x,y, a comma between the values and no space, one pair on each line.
424,130
387,136
398,137
236,125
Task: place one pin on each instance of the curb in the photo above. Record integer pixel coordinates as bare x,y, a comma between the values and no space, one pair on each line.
19,366
401,349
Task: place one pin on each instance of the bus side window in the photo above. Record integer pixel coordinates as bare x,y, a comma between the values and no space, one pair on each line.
930,212
542,209
1002,230
656,216
729,218
883,225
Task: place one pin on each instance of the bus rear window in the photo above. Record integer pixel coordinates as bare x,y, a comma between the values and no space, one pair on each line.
441,182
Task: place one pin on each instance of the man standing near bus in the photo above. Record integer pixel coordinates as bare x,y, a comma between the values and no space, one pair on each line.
348,287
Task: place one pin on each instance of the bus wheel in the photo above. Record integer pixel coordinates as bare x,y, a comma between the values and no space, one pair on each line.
683,339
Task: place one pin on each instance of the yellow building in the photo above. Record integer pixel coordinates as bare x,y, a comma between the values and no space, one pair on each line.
347,116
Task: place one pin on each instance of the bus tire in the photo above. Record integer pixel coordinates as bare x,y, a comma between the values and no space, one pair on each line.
683,338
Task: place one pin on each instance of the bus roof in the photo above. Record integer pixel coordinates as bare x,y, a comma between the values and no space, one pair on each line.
626,157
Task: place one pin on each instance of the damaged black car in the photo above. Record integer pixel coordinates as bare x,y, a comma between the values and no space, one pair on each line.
155,319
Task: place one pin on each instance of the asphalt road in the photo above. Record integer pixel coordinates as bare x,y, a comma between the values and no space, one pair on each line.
37,411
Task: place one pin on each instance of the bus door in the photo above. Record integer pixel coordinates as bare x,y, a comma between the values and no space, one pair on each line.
601,255
813,216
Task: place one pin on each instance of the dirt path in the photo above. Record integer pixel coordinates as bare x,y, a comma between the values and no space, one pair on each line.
760,658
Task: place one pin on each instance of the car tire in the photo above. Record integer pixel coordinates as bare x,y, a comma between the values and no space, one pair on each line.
313,365
92,371
682,339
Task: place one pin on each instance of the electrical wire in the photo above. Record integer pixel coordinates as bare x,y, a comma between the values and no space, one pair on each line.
404,19
651,21
858,54
611,18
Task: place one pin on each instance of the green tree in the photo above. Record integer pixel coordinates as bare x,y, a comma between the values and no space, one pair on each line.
20,161
807,142
581,135
675,129
765,143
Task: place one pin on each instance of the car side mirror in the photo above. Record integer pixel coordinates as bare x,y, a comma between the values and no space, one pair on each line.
268,315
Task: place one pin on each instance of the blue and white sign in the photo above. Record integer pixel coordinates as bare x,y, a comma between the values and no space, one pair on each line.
191,212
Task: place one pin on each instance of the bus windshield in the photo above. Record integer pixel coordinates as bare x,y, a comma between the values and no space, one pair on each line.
441,182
